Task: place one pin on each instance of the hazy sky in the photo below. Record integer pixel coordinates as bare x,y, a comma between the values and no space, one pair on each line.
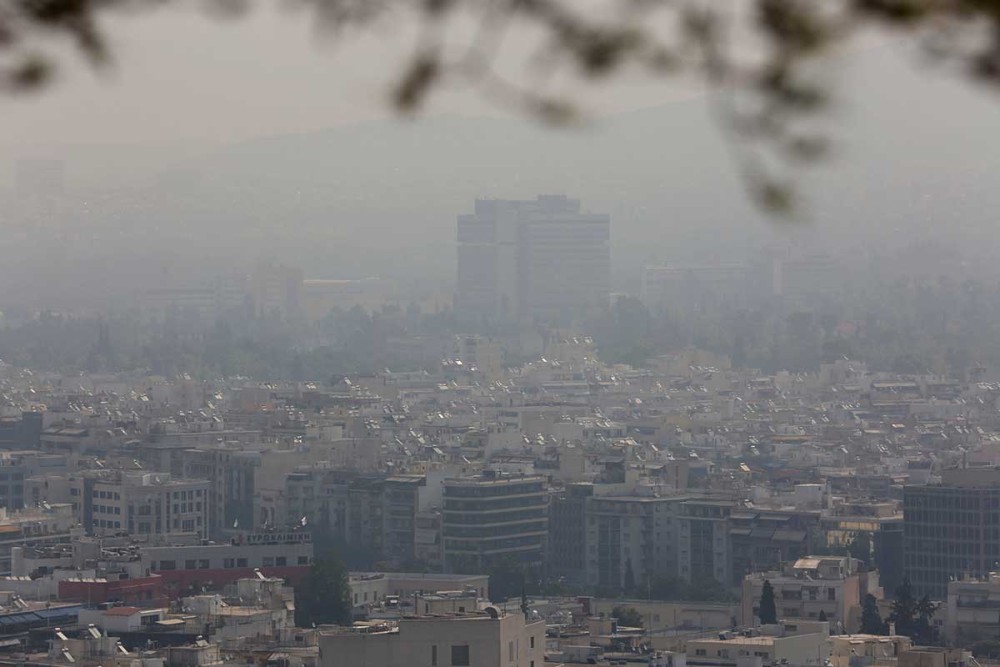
180,76
193,93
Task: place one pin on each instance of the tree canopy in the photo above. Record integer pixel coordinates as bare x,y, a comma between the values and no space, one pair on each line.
912,617
628,617
768,612
324,596
871,621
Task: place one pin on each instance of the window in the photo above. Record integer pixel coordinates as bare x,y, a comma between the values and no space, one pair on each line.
434,656
168,565
460,655
190,564
203,564
281,561
303,560
532,641
241,562
229,563
510,651
268,561
700,651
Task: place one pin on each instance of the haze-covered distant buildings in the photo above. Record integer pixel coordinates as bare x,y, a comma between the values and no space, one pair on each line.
537,260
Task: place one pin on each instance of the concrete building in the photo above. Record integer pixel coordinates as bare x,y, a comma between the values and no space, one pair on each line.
494,517
761,539
18,466
142,503
488,639
703,540
949,530
866,650
630,540
524,260
567,545
757,649
46,525
972,609
811,588
660,615
182,567
369,588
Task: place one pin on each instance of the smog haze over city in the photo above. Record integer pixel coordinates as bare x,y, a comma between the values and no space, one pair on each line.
516,333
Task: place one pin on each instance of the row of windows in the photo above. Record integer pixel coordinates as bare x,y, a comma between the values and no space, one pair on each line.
107,509
186,507
228,563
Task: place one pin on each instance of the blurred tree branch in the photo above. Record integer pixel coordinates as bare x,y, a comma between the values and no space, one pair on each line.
768,96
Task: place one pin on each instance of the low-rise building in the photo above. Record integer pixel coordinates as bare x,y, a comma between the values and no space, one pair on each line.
814,587
192,566
490,638
752,648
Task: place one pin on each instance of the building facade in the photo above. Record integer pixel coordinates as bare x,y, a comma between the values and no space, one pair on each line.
951,530
525,260
488,639
492,518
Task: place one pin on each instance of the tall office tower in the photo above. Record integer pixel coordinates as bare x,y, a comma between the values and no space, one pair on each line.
951,530
523,261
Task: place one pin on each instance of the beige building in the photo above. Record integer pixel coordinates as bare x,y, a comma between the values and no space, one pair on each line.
972,610
371,588
936,656
759,650
488,639
846,650
658,615
811,588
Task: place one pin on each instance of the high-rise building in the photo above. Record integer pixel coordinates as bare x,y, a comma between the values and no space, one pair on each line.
951,530
492,518
520,261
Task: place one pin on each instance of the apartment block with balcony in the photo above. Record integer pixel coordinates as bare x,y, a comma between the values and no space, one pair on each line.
703,540
812,588
972,609
630,540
